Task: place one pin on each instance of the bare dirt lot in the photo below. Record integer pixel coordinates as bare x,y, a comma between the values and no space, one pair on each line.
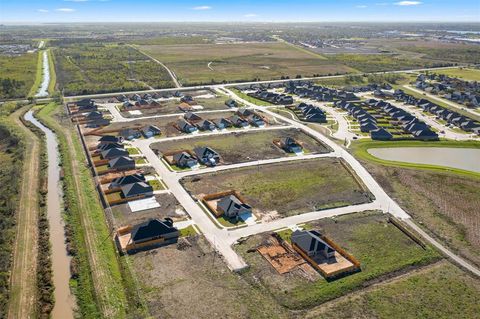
244,146
195,283
171,106
169,207
286,188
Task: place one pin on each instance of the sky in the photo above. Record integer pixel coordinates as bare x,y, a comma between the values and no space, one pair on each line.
44,11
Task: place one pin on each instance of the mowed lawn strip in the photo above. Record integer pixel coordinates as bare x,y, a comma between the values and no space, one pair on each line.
380,247
245,146
289,188
462,73
440,291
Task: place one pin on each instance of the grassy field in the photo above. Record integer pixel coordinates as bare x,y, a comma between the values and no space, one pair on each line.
53,74
381,248
18,75
100,281
287,188
38,76
207,63
440,291
462,73
445,202
244,146
12,155
97,68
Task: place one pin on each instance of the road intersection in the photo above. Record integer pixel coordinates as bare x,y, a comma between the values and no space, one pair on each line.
222,239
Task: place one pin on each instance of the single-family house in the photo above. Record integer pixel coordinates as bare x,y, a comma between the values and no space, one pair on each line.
122,163
151,130
125,180
290,145
311,243
206,125
184,160
113,152
232,207
137,189
192,117
207,156
380,134
129,134
238,121
109,139
222,123
186,127
231,103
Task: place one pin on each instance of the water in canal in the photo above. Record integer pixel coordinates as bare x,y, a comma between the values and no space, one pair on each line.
461,158
64,301
43,89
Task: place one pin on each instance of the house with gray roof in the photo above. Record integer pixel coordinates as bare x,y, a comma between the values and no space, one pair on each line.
113,152
136,189
311,243
232,207
125,180
207,156
184,160
122,163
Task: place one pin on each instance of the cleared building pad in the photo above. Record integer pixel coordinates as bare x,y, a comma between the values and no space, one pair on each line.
143,204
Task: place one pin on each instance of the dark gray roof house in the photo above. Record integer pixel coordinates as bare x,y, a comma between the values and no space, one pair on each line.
95,115
206,125
231,103
186,127
104,147
290,145
122,163
114,152
124,180
232,207
151,130
244,112
311,243
137,189
238,121
190,116
380,134
154,229
222,123
129,134
184,160
207,156
108,139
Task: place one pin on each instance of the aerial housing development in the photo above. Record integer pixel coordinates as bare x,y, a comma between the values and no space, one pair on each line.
239,170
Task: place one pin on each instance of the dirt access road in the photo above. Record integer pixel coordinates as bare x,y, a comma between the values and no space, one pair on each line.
23,281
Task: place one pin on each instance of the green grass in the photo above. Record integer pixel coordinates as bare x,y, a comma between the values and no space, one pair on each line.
38,76
360,150
53,74
289,188
248,98
18,75
140,160
229,222
100,68
113,294
444,291
157,186
380,247
102,168
462,73
188,231
133,151
236,62
114,196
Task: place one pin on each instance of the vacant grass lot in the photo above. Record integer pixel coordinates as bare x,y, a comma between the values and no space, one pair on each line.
239,62
447,204
288,188
17,75
244,146
379,62
97,68
381,248
462,73
442,291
